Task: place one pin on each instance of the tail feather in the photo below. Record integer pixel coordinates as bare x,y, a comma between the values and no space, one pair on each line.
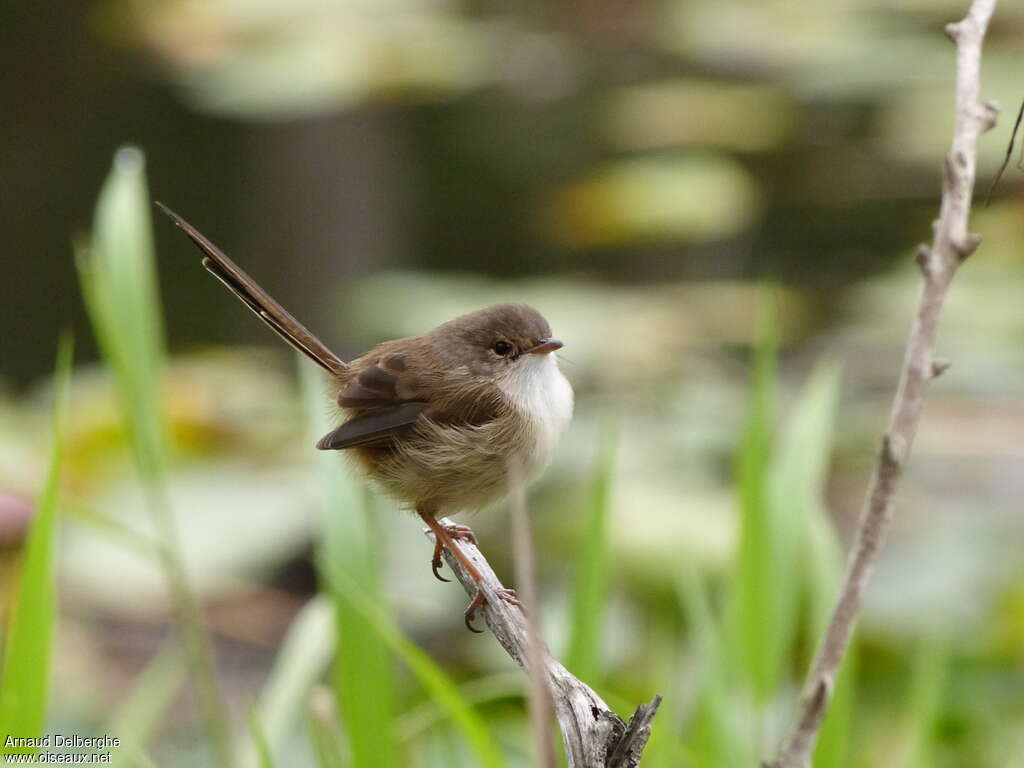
259,301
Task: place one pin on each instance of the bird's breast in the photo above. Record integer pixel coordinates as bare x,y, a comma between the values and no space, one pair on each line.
542,396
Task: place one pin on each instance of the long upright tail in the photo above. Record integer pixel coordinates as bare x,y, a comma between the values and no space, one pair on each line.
258,300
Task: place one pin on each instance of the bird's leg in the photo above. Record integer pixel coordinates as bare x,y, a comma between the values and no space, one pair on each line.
444,537
456,532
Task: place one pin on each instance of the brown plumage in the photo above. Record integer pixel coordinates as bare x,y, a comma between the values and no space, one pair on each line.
436,420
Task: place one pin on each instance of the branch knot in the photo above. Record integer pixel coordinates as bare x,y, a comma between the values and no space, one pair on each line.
925,262
988,116
953,30
894,449
939,366
966,246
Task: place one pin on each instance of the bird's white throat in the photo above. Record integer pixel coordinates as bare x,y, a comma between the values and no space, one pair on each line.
538,390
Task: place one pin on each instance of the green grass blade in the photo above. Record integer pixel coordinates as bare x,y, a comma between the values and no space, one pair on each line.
714,739
797,499
138,716
259,740
796,484
25,677
322,719
927,683
503,686
754,609
811,428
440,687
664,749
118,279
304,656
826,564
118,276
590,595
363,673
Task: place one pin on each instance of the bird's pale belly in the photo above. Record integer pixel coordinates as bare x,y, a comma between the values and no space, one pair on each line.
450,469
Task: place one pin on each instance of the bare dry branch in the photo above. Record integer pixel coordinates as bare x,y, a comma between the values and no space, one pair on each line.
951,244
594,736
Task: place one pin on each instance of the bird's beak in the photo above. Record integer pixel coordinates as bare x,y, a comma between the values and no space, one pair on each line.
545,346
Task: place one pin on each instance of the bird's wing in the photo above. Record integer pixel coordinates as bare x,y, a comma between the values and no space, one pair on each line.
385,397
259,301
377,427
381,379
386,392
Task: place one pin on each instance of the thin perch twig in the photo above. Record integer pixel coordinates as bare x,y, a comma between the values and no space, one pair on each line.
594,736
951,244
1009,155
541,707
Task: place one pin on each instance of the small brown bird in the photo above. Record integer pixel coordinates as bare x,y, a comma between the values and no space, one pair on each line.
435,420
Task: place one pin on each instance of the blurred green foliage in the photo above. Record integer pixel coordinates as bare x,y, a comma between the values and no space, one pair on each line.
25,675
729,656
119,285
584,657
635,173
361,638
349,564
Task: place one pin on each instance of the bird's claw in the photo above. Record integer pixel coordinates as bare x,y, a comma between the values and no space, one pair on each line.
435,563
478,601
461,532
457,532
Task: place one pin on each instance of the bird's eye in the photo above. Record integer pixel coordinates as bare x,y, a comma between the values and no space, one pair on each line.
503,348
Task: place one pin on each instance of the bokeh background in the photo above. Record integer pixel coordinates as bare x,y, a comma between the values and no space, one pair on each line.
680,186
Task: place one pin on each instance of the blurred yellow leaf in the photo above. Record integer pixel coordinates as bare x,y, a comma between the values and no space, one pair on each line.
688,198
740,116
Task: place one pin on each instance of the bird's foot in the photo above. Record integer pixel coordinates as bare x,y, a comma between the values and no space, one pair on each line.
457,532
508,595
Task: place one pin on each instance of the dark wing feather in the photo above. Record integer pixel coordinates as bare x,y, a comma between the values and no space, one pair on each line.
381,378
384,395
258,300
372,428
